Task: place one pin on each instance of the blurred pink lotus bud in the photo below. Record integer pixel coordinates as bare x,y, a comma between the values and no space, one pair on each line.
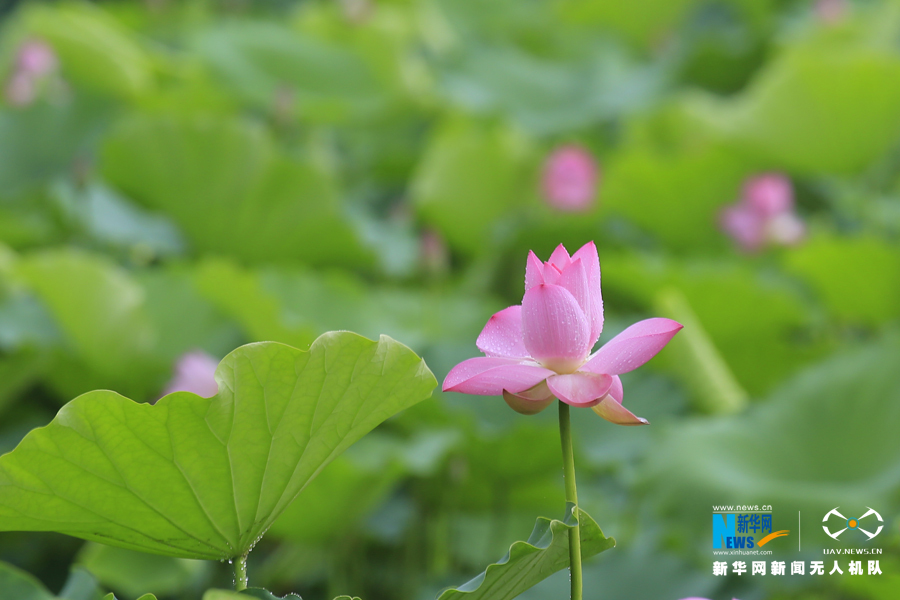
35,64
744,225
435,256
831,11
36,58
569,179
786,229
769,194
764,214
194,372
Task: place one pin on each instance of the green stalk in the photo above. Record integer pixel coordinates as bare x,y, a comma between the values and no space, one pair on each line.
565,436
240,573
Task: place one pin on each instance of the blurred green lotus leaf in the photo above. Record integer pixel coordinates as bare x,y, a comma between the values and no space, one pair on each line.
761,324
470,175
527,563
95,49
858,279
132,573
809,446
814,109
339,497
41,141
674,195
16,584
98,307
194,477
260,60
229,188
293,305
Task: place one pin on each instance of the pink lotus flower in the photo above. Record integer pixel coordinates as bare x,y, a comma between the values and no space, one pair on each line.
541,349
195,372
764,214
570,178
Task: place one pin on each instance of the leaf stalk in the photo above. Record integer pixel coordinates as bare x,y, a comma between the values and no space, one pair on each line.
240,573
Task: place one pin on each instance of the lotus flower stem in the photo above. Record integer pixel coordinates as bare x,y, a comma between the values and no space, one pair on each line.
240,573
565,435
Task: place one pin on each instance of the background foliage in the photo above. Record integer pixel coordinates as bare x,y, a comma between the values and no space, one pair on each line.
197,175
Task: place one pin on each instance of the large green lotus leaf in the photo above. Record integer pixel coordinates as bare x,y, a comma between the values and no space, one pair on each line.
470,175
816,108
204,478
809,447
94,49
545,552
858,279
230,189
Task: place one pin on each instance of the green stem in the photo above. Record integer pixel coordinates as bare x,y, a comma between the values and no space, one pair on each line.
565,435
240,573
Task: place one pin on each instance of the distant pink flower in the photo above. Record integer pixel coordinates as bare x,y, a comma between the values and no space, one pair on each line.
433,252
35,63
831,11
195,372
541,349
764,214
569,179
36,58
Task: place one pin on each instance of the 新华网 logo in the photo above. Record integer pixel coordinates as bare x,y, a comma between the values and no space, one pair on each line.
852,524
750,529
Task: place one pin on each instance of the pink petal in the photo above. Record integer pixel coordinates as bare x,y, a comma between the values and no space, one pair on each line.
556,331
591,261
560,258
616,390
502,336
611,409
614,412
531,401
534,271
580,389
575,279
551,274
489,376
744,225
633,347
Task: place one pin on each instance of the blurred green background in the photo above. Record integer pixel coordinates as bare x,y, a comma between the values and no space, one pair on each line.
180,176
